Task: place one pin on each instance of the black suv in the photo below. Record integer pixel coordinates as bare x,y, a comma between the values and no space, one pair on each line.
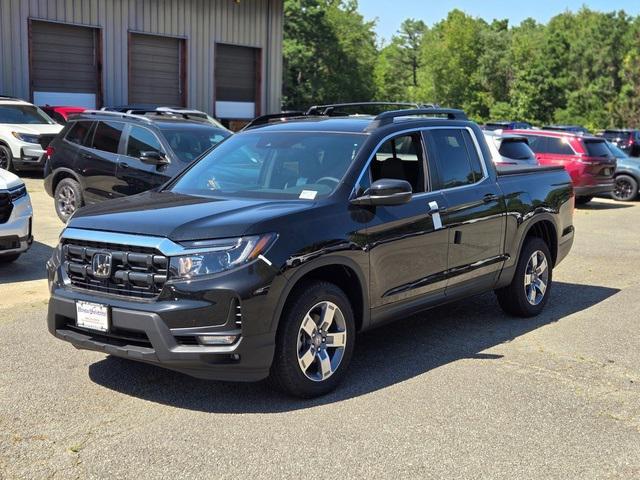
267,255
103,155
626,139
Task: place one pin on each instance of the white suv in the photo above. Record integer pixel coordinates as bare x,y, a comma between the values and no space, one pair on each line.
16,217
25,133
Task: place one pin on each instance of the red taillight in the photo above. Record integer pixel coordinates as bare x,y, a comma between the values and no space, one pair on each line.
50,152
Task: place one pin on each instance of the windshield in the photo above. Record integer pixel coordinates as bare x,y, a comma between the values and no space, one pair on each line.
24,115
305,165
191,142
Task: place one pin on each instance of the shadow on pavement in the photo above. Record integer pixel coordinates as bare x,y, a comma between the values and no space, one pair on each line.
596,205
383,357
29,266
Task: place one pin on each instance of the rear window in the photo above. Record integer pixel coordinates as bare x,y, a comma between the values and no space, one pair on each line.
78,133
516,150
456,157
597,148
107,136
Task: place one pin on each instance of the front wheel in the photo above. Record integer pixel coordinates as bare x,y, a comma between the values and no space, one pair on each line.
315,341
625,189
528,292
5,158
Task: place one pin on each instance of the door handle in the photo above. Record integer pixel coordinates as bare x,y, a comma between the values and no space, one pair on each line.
124,165
434,211
490,197
86,155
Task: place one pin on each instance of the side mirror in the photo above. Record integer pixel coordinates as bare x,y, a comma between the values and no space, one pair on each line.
153,158
386,191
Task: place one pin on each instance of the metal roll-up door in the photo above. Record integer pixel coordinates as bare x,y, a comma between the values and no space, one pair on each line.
65,62
156,70
237,72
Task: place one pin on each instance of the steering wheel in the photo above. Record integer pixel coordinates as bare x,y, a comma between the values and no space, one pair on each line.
330,179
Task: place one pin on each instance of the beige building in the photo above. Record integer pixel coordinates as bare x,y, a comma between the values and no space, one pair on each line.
220,56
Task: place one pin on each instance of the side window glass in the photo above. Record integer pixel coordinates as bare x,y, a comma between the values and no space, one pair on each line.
474,158
455,163
78,133
559,146
537,143
142,140
399,158
107,136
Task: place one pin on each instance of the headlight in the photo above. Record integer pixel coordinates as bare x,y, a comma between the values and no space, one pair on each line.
215,256
26,137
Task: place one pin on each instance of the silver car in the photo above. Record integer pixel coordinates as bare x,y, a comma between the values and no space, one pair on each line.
16,217
509,149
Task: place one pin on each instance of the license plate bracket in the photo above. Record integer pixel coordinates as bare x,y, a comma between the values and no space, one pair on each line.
93,316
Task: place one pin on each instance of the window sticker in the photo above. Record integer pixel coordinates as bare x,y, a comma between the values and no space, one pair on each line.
308,195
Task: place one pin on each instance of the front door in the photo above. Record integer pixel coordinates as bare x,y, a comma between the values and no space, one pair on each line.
135,176
407,244
475,215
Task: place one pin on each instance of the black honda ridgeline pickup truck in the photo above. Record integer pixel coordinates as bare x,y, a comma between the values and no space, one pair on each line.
267,255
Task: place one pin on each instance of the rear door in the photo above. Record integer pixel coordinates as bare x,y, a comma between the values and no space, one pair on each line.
97,163
135,176
475,214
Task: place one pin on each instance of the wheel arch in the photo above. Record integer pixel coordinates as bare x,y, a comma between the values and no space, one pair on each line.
61,173
343,272
544,228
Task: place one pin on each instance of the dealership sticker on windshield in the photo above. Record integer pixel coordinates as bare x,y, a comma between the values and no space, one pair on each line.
308,194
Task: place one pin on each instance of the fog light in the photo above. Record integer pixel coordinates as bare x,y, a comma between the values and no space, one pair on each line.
217,339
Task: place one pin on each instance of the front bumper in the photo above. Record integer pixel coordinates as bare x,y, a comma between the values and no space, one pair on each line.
145,337
16,233
32,156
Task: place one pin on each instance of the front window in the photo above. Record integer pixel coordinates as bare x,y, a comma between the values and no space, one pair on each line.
190,142
24,115
282,165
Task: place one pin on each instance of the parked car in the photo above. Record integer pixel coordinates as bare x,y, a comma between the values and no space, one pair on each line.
25,133
626,139
506,125
16,217
510,149
627,176
146,109
340,224
101,155
579,129
587,159
61,114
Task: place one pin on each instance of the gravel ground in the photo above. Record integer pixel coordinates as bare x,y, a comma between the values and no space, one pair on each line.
456,392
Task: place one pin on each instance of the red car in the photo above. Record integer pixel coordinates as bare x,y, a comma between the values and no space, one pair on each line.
61,114
586,158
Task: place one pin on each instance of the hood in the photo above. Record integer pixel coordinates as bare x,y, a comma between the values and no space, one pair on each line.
182,217
35,129
9,180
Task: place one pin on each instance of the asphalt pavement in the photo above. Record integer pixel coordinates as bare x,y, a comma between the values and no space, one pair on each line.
462,391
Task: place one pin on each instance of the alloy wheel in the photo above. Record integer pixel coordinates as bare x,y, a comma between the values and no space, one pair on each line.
4,159
67,202
536,277
322,338
623,190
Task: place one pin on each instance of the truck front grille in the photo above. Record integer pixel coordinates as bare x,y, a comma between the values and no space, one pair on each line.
6,206
135,271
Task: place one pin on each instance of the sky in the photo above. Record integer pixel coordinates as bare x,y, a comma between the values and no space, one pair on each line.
391,13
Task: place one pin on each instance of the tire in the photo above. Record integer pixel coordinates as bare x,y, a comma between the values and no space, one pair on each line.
515,299
67,198
6,161
583,200
304,364
9,258
626,188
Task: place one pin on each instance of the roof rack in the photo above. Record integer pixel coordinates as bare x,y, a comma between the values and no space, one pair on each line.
329,109
264,119
386,118
117,114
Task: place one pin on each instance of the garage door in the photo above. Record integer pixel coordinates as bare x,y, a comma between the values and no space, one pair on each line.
237,76
156,70
65,64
